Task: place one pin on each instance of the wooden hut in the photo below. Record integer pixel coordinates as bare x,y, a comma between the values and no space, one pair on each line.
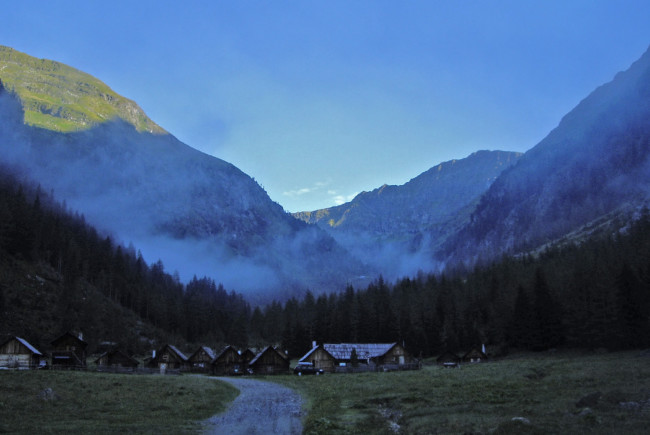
269,361
320,358
228,362
378,354
69,351
17,353
169,358
475,355
246,357
448,359
201,359
116,359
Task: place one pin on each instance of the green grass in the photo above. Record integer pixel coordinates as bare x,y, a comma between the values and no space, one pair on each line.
61,98
542,388
89,402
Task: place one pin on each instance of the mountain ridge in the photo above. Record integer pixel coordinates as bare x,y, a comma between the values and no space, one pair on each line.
58,97
200,214
593,163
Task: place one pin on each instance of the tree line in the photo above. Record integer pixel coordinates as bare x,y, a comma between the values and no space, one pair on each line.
588,295
91,273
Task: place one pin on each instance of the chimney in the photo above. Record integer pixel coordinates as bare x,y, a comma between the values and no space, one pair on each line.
313,344
153,354
81,336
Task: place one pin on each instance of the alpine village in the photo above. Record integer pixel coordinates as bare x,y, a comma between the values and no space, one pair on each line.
545,265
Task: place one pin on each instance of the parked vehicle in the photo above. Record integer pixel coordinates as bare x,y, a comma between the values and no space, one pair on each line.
307,369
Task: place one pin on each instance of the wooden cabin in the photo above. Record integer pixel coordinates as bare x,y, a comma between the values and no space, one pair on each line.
17,353
269,361
320,359
247,356
378,354
69,352
475,355
201,359
228,362
448,359
169,358
116,359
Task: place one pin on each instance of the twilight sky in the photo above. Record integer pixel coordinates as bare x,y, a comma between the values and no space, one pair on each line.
319,100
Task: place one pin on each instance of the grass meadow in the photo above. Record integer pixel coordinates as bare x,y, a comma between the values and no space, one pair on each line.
99,403
544,389
556,393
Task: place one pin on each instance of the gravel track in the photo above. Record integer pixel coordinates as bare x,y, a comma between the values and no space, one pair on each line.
261,408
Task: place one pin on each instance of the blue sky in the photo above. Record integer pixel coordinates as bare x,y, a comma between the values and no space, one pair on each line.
321,100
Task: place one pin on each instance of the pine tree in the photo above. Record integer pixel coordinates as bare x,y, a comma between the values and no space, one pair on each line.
548,330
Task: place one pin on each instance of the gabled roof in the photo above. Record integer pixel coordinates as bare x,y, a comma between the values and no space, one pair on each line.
207,350
343,351
25,343
116,351
314,350
69,334
475,352
180,354
266,349
223,352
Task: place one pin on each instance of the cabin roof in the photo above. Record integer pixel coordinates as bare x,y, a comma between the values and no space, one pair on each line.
448,355
343,351
475,352
177,352
313,349
69,334
207,350
266,349
223,352
25,343
115,351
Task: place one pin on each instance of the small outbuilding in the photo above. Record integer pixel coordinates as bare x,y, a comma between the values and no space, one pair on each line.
269,361
247,356
17,353
116,359
228,362
320,358
475,355
169,358
448,359
69,352
201,359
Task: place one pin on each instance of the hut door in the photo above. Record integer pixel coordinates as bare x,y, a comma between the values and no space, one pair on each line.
401,360
163,368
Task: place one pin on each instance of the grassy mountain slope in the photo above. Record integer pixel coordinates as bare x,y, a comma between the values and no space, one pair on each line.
60,98
200,214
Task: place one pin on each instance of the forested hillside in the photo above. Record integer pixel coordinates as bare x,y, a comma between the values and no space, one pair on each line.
590,296
57,273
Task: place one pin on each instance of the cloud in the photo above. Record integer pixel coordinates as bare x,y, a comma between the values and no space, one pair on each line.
305,190
342,199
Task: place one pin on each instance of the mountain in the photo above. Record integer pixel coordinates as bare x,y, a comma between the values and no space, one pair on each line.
591,169
60,98
199,214
397,228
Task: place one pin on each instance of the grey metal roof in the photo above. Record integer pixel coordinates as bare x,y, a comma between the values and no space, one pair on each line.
309,353
178,352
29,346
343,351
259,355
223,351
207,350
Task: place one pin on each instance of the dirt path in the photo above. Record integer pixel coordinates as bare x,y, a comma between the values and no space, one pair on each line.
261,408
